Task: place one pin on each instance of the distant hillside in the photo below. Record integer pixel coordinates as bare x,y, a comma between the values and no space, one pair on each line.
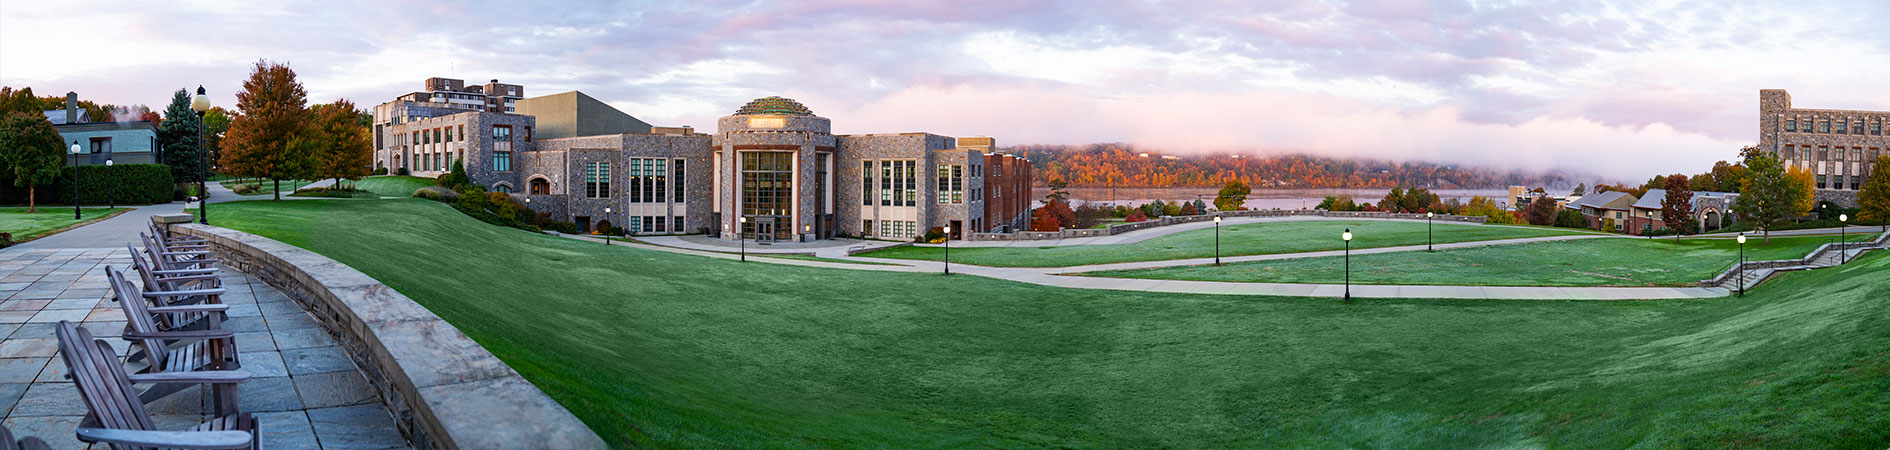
1122,165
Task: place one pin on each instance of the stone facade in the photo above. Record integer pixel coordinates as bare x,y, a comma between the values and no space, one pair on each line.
1837,146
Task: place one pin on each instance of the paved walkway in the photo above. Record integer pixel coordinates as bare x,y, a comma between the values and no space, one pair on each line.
306,391
1155,232
823,248
118,231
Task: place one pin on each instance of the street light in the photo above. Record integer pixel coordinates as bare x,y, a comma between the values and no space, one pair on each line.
1842,224
1428,246
1347,236
1742,264
948,249
738,236
111,191
75,180
201,104
1217,240
606,231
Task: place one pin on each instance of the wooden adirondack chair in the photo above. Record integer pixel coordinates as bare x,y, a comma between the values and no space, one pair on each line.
168,258
177,280
154,287
176,352
27,443
118,418
175,240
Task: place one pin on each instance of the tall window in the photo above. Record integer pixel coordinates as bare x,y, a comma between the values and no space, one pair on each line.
951,184
449,134
1876,128
899,183
866,184
648,179
676,174
1857,127
597,179
767,183
501,138
502,161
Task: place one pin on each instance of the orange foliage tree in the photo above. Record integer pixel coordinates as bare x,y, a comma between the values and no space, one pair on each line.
262,139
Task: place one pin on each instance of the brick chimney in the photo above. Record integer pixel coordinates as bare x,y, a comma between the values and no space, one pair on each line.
72,107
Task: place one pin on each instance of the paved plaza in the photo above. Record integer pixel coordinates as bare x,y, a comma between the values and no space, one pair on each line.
305,391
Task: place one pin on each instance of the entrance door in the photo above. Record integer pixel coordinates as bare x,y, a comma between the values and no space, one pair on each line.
764,229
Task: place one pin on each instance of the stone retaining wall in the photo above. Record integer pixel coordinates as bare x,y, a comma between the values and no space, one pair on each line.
1724,277
445,391
1120,228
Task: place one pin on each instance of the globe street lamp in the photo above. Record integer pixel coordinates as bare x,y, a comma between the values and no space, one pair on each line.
75,179
1217,240
1742,264
1428,246
606,231
743,228
1347,236
111,191
1841,241
948,249
201,104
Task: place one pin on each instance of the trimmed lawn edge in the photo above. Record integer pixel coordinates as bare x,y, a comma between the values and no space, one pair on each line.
75,225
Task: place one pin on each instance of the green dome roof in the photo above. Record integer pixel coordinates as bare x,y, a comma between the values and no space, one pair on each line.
774,106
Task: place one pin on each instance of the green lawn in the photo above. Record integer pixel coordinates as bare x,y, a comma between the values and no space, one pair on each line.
664,350
267,186
817,258
1586,262
380,186
1248,239
25,227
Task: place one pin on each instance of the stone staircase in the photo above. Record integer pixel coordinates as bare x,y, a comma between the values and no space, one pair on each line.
1828,255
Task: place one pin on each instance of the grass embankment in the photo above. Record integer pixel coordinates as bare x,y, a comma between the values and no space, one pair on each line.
49,220
376,187
265,187
666,350
1264,238
1587,262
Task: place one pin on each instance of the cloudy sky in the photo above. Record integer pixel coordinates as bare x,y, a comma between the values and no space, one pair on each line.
1625,89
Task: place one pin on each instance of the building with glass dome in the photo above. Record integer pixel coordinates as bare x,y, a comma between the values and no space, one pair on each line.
772,171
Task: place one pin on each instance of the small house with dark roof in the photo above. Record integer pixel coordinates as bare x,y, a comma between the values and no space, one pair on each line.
129,142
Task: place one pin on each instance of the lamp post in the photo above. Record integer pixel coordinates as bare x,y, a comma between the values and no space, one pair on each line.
1217,240
1428,246
75,179
1742,264
738,236
1347,236
201,104
948,249
111,192
1843,222
606,231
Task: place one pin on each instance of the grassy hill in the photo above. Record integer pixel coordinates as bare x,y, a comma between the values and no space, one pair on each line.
658,349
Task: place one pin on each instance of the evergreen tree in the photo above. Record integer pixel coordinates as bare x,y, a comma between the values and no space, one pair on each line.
1580,190
30,152
177,135
265,140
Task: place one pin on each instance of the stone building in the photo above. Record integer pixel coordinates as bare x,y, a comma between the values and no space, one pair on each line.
771,171
1837,146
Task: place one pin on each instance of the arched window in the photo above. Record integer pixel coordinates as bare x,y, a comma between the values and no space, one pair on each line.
502,189
540,186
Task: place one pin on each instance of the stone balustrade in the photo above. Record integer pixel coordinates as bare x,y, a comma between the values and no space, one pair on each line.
444,390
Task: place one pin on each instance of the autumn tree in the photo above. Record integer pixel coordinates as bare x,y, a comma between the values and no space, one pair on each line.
1676,210
216,122
1873,202
1768,195
340,144
1392,199
30,151
1053,216
1233,196
262,141
178,137
1541,211
1799,191
1417,199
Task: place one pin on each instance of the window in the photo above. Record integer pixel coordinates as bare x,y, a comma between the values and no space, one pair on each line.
597,180
1821,182
866,227
951,184
449,134
501,138
540,186
1857,127
677,226
502,161
648,179
1857,182
436,135
1824,126
1790,151
866,188
1791,125
676,174
896,229
503,189
899,183
1824,154
1876,128
767,190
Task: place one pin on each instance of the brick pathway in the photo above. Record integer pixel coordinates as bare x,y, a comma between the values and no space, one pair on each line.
306,392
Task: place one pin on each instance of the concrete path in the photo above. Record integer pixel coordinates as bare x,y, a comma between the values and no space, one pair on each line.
1155,232
823,248
118,231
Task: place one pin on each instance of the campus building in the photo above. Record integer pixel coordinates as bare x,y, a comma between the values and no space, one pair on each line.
128,142
1837,146
771,171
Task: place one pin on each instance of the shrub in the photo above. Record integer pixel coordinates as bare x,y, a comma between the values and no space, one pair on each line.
612,231
1569,218
123,183
438,194
246,189
1136,216
402,172
380,171
455,177
934,235
6,240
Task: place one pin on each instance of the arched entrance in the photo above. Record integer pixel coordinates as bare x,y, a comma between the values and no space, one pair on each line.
1710,220
540,186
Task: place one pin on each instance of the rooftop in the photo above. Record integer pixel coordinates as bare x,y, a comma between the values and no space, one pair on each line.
772,105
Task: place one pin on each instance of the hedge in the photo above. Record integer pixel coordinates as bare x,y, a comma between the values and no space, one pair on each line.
126,183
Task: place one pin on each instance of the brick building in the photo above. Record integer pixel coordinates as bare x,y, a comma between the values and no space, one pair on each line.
771,171
1837,146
